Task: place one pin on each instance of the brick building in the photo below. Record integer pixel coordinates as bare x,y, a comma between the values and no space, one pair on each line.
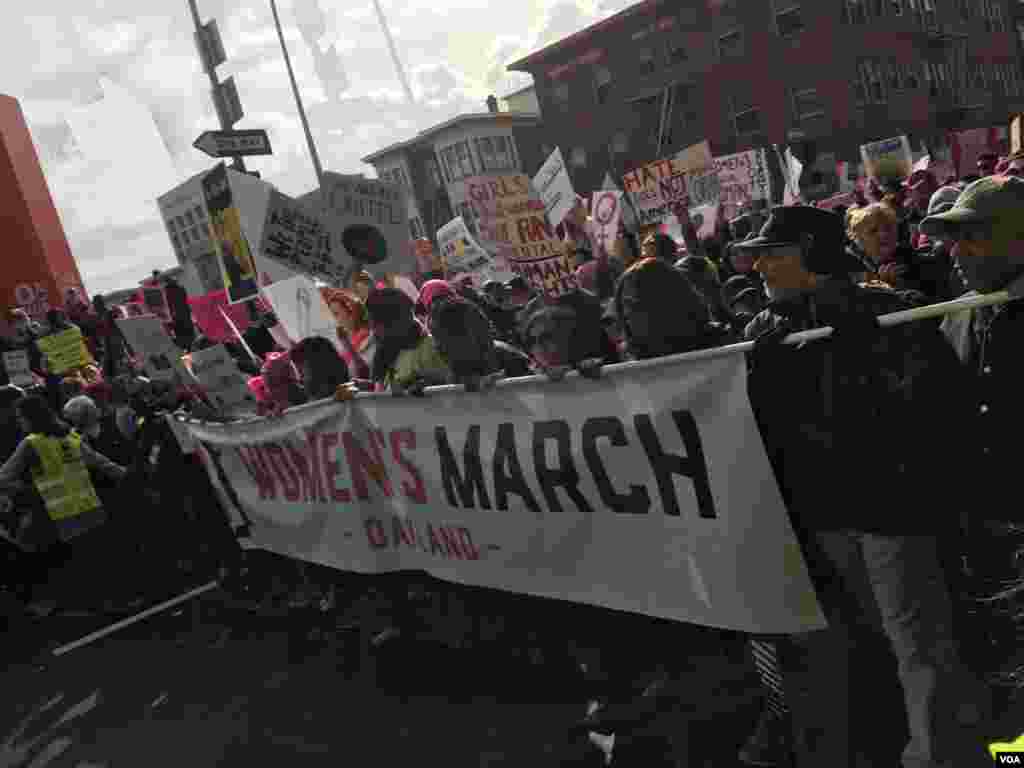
823,76
435,163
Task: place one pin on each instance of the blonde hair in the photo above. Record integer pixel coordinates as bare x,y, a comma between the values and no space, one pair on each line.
858,219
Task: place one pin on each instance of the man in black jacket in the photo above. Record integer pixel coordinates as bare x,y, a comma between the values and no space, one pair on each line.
986,228
856,427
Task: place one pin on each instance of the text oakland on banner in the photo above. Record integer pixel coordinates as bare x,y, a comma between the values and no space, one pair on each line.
648,491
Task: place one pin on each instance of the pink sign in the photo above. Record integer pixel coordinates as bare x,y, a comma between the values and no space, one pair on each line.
206,312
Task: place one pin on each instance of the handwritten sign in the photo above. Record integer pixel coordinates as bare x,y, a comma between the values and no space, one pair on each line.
539,257
889,159
658,187
555,188
151,345
220,378
297,237
18,371
742,179
65,351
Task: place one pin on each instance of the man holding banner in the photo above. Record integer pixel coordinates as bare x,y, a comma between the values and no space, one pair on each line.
849,425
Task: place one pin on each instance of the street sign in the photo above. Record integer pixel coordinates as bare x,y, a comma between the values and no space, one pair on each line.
211,47
229,106
234,143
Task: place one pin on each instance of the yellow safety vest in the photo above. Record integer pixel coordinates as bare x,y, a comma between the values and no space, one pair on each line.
61,476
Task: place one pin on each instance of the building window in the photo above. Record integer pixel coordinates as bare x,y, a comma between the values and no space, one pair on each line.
897,7
442,168
730,45
458,161
602,84
1020,33
433,172
676,52
683,103
854,12
746,118
868,86
495,153
416,227
807,104
911,77
789,21
560,96
578,157
646,56
620,143
465,210
200,212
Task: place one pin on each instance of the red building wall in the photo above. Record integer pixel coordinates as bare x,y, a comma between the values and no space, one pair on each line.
36,266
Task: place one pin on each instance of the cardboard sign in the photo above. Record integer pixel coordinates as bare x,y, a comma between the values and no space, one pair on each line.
65,351
424,250
1015,135
223,383
18,371
657,187
148,339
606,212
238,267
539,256
555,188
889,159
301,310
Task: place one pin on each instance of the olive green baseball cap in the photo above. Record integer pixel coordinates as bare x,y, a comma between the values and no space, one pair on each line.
994,201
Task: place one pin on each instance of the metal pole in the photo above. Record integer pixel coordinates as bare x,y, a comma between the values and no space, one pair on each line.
298,103
237,162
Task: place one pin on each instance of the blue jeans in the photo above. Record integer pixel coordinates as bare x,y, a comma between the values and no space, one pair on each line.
895,584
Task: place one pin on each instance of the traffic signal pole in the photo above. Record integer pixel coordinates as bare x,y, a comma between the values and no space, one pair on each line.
236,162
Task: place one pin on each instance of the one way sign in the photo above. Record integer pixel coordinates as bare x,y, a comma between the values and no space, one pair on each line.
234,143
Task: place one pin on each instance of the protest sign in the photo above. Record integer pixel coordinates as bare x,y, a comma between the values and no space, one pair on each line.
1016,135
462,254
152,347
368,223
742,178
657,187
424,250
19,373
238,267
206,312
538,256
297,236
889,159
555,188
606,213
218,374
619,493
301,310
65,351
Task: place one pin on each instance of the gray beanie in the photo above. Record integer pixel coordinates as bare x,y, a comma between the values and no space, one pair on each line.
81,412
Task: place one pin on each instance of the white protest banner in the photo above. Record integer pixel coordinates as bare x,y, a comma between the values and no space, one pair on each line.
19,373
555,188
889,159
606,213
300,308
462,254
742,179
656,187
152,347
625,492
224,384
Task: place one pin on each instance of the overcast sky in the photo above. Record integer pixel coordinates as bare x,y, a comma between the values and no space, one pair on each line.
115,96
